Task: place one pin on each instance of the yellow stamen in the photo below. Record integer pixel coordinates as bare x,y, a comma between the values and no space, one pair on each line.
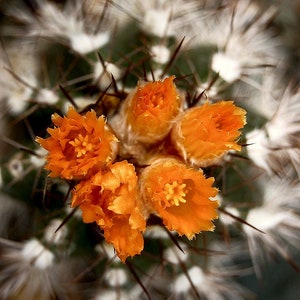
175,193
82,145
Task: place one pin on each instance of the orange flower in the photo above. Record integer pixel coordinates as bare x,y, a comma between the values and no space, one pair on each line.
151,108
78,146
110,199
203,134
180,196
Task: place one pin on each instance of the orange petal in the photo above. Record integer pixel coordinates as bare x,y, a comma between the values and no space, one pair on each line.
126,240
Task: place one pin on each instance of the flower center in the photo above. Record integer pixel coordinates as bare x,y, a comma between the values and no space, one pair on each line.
175,193
157,100
82,145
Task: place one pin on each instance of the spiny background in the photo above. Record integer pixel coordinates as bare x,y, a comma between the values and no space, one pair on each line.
90,54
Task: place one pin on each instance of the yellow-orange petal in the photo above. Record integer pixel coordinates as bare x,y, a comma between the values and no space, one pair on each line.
126,240
203,134
151,108
110,198
78,146
180,196
90,212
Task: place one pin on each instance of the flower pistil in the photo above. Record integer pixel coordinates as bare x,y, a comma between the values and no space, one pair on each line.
175,192
82,145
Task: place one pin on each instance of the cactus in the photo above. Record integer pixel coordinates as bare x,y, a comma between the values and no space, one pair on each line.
149,149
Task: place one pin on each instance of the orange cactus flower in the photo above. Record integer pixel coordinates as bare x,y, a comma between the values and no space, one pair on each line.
180,196
203,134
151,108
110,198
78,146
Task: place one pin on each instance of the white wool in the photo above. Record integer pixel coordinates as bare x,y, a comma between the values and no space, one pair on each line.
175,255
182,284
116,277
84,43
156,22
257,149
228,67
38,160
161,54
228,220
35,253
103,74
46,96
53,236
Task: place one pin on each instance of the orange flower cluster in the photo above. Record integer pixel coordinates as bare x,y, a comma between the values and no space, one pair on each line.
165,141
